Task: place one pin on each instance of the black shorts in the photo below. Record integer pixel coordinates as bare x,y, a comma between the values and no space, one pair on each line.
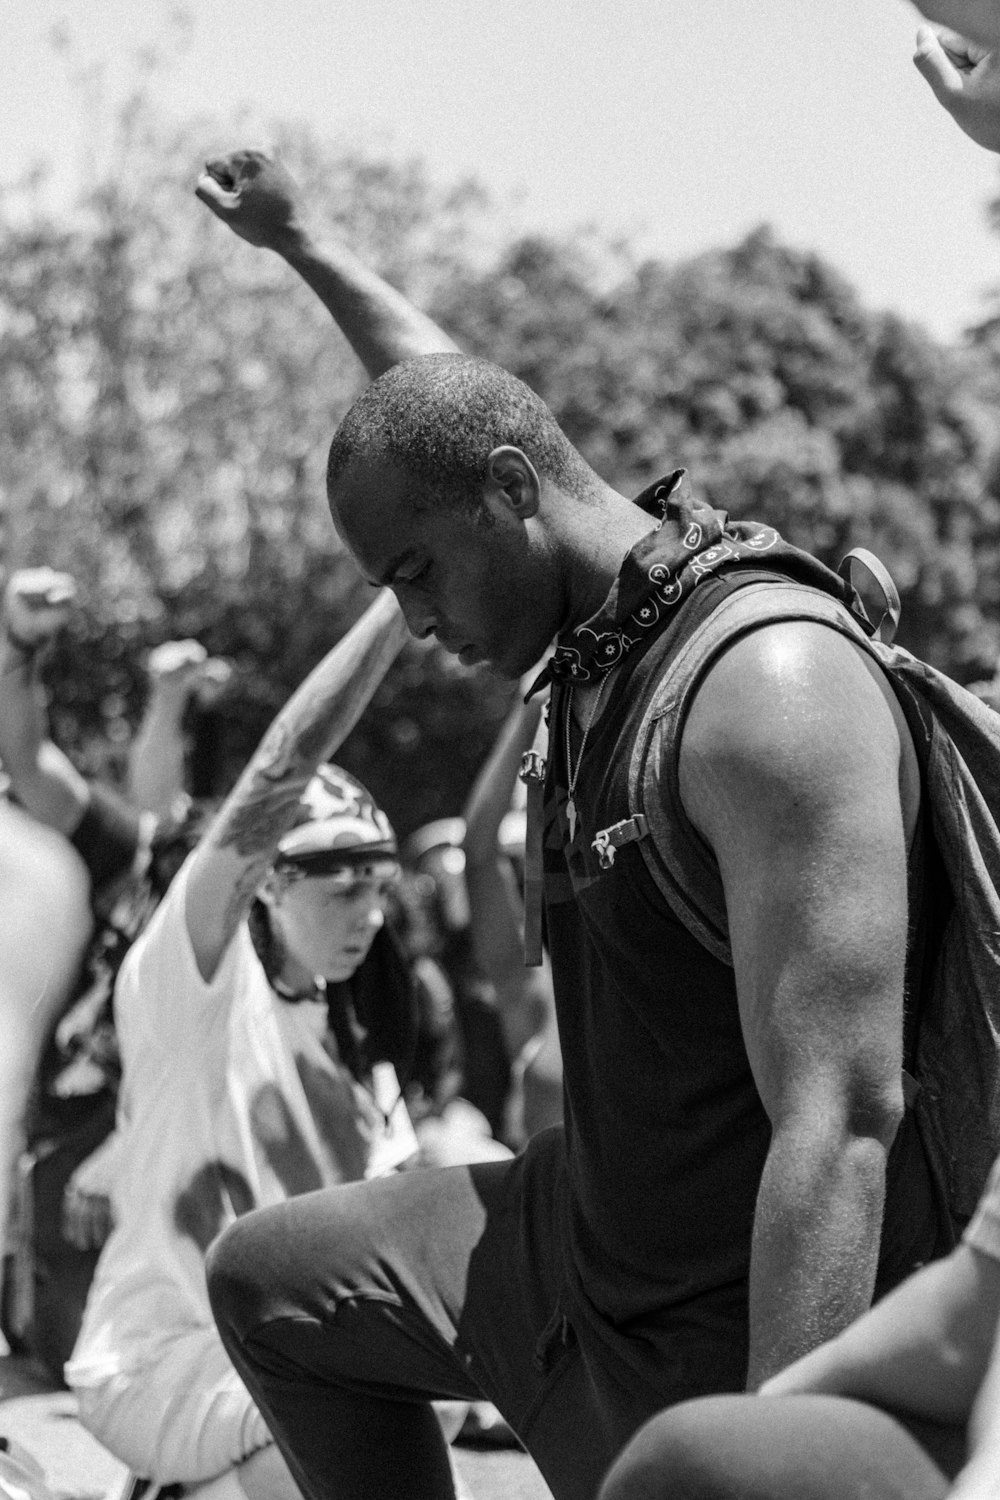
445,1284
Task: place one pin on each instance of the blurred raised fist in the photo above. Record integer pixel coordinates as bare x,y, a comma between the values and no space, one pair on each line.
255,196
965,78
37,602
183,669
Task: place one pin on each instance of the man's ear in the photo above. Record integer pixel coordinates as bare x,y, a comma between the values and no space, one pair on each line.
513,482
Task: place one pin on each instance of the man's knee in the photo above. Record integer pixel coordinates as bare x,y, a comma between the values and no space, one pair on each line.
239,1272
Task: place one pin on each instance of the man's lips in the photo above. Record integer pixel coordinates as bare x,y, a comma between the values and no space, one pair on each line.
464,650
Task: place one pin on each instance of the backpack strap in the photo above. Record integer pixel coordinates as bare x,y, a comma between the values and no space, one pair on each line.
681,864
892,608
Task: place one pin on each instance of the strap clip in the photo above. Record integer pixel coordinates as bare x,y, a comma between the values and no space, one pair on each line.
532,767
610,840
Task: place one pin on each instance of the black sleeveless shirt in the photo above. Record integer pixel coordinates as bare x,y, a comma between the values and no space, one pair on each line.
666,1136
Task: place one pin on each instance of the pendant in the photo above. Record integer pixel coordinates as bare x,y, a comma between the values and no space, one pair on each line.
571,816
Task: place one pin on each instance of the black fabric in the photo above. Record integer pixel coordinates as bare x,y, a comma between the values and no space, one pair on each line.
107,836
666,1133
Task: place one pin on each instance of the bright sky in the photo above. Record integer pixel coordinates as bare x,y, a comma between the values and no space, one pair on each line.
682,123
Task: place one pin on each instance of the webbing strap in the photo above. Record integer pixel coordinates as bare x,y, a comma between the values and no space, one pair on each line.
533,776
885,629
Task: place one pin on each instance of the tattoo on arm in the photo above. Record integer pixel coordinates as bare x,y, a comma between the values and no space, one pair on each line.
262,805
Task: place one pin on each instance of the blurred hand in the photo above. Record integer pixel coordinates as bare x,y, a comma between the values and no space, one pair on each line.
977,19
965,78
214,679
255,196
183,669
86,1207
460,1134
36,605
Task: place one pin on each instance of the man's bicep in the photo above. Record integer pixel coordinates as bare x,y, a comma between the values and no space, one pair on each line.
790,769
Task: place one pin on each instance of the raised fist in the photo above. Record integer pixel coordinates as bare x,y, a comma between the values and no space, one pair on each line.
185,670
255,196
37,602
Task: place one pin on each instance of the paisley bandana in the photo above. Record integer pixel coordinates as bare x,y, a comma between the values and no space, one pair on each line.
692,541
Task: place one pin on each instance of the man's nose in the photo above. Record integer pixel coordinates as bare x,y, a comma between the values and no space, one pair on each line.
417,613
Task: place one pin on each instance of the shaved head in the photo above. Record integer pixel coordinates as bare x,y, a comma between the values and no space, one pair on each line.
439,417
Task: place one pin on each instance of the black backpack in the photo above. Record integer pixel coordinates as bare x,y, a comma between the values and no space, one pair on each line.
956,1092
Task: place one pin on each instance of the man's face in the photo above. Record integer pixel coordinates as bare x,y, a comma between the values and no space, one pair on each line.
473,581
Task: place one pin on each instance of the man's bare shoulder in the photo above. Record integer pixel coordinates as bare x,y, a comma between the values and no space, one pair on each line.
794,705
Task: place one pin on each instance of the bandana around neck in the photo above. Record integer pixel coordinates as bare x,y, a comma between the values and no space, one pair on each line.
691,542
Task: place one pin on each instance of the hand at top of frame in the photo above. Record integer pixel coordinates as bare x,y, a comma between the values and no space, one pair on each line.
255,196
965,78
977,19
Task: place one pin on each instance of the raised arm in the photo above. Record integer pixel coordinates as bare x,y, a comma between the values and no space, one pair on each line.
177,671
791,768
36,604
233,858
263,204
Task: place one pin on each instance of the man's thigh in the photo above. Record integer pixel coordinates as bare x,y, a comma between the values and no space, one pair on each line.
439,1283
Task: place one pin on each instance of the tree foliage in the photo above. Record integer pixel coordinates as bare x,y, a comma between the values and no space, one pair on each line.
167,396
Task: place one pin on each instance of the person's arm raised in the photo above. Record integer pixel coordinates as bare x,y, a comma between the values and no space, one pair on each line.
965,78
790,770
233,858
262,203
177,672
37,603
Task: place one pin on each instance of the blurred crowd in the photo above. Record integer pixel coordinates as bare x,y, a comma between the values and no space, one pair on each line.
85,866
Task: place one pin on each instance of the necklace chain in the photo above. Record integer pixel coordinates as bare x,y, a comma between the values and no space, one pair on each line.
573,775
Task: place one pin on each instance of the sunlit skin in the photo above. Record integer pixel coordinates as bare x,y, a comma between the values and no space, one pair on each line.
325,924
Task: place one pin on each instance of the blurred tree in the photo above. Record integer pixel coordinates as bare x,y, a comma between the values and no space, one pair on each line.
168,396
759,369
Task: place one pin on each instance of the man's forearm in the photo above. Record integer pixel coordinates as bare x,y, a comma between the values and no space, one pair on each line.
380,325
815,1245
